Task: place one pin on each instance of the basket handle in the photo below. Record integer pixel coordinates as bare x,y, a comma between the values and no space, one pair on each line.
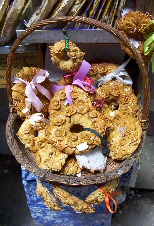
95,23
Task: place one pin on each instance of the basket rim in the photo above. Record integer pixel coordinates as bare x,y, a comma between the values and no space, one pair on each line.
21,158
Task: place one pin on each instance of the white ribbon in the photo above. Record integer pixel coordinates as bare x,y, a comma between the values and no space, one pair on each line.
120,71
28,103
37,117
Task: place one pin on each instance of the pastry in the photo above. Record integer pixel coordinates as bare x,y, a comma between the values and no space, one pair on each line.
50,158
125,137
74,128
19,92
134,26
77,204
71,167
59,54
120,100
97,196
33,132
49,198
12,20
99,70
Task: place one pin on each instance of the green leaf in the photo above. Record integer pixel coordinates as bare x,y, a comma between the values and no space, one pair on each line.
148,45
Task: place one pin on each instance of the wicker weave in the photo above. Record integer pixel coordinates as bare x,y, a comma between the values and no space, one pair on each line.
27,159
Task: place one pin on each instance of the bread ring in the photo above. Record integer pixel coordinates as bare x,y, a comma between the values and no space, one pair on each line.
99,70
67,199
125,137
67,123
58,54
134,24
33,134
120,100
49,158
18,92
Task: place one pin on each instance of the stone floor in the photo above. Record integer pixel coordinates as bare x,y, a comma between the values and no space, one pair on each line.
13,208
137,209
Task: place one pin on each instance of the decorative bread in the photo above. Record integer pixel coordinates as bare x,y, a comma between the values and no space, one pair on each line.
98,196
3,7
12,20
68,123
49,198
50,158
67,199
125,137
75,56
33,132
19,92
41,12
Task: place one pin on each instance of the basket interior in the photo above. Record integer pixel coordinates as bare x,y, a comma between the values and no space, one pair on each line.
26,158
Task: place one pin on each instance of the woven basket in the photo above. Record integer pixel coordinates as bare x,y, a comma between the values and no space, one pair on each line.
114,169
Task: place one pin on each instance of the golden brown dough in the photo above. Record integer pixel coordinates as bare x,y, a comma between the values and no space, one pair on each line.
75,56
50,158
120,100
18,92
125,137
98,196
67,122
33,134
134,25
77,204
71,167
99,70
49,200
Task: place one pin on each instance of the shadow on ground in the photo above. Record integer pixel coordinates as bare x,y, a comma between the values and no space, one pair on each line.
13,204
